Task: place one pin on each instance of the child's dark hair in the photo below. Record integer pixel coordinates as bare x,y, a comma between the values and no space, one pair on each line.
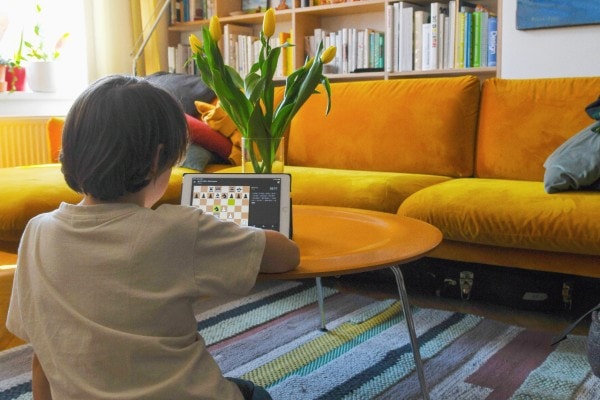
112,132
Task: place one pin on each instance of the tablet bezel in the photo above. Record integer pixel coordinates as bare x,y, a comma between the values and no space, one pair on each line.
285,208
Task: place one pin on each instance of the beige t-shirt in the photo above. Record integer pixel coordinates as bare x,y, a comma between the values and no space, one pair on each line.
104,295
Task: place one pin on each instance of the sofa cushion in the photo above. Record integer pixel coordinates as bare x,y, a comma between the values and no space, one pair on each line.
510,213
575,164
369,190
202,134
522,121
186,88
31,190
421,126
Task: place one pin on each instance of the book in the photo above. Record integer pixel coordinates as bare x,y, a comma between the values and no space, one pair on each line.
484,37
476,39
406,39
343,67
468,57
492,41
451,34
459,43
426,61
446,44
391,46
230,43
420,18
438,10
360,49
352,49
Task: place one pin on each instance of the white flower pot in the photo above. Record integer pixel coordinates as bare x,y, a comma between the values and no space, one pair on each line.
41,76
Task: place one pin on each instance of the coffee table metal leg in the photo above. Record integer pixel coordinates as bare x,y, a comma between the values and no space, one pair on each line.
411,330
321,303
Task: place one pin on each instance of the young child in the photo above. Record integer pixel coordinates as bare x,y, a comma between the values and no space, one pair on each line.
104,289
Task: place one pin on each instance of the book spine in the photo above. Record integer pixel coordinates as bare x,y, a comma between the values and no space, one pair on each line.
344,66
452,10
406,43
186,10
433,41
492,40
459,52
352,50
380,49
426,45
468,39
484,38
391,47
476,42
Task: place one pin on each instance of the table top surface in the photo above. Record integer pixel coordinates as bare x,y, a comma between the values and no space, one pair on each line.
337,241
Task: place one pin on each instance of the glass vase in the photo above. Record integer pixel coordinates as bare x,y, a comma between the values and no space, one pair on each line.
263,156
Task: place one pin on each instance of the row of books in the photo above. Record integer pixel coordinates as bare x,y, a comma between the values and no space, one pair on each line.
457,34
357,49
179,59
191,10
418,38
240,49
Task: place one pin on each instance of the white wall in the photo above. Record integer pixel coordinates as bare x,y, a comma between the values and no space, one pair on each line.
547,53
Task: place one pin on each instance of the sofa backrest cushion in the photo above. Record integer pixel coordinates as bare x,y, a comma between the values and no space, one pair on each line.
522,121
422,126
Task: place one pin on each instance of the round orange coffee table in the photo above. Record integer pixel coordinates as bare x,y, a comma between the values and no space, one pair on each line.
337,241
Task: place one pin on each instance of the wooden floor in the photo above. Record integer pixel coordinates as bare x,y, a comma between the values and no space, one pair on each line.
382,284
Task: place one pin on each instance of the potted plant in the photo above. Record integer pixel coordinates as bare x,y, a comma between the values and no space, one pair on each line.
15,73
41,67
249,101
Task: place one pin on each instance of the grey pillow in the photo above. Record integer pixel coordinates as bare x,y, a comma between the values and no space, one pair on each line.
575,165
197,157
186,88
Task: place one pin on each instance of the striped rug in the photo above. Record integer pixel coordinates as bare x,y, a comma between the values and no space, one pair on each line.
271,337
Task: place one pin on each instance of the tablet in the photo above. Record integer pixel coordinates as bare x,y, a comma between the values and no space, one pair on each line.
259,200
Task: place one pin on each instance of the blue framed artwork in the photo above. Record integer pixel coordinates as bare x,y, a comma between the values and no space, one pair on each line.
537,14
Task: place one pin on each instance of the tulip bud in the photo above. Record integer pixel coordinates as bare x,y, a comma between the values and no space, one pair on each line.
328,55
195,44
309,63
215,28
269,23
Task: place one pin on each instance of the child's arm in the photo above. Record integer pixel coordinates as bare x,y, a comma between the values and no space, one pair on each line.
280,255
39,383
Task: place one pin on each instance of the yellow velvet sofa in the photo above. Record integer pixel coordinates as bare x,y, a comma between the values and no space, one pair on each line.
465,156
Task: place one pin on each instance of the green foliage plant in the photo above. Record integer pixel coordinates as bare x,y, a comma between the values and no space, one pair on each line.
250,101
38,50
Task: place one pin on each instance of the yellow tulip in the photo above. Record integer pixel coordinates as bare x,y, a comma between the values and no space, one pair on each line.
195,44
215,28
269,23
328,55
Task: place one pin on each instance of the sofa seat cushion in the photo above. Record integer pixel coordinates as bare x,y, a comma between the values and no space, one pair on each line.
509,213
377,191
31,190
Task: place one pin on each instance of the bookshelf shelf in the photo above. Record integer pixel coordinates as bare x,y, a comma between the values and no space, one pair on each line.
367,15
